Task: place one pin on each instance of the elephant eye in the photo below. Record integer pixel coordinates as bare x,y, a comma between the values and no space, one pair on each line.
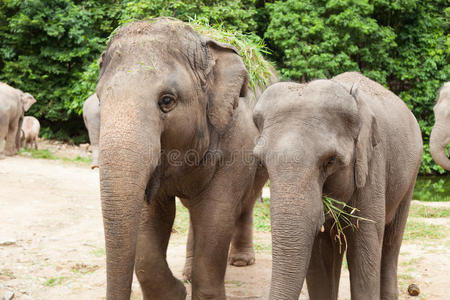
167,103
329,162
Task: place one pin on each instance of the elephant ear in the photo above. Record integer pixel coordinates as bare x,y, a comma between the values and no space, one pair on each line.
229,81
368,137
27,101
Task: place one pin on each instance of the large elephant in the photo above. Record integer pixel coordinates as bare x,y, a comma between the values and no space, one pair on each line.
91,117
13,104
353,140
440,135
175,121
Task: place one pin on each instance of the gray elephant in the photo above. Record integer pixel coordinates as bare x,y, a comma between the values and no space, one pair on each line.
29,132
355,141
91,117
175,121
13,104
440,135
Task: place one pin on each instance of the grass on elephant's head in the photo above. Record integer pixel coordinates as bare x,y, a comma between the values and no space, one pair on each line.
250,47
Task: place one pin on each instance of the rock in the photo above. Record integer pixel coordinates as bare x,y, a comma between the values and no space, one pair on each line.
84,146
8,242
413,290
8,295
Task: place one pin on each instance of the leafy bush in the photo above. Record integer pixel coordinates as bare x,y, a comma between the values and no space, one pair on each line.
50,47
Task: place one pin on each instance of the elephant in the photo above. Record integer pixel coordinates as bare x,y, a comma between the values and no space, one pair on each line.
91,117
13,104
440,135
176,121
350,139
29,132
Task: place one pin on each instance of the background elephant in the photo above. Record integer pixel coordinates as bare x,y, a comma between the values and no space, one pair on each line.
29,132
13,104
355,141
175,121
91,117
440,135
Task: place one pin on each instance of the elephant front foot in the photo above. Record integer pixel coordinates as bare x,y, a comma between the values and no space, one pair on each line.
175,291
242,258
11,152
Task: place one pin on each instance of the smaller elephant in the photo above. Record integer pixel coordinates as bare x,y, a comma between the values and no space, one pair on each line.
91,117
29,132
13,104
440,135
350,139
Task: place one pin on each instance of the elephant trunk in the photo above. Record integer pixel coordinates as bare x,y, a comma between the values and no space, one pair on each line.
129,153
439,139
297,215
95,163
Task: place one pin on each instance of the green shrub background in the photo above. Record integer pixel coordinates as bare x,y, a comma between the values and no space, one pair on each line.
50,48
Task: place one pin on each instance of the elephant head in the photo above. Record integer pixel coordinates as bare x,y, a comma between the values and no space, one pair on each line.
440,135
27,100
163,89
315,139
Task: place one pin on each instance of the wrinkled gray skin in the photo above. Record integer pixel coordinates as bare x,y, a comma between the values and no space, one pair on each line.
175,121
13,104
29,132
91,117
440,135
361,146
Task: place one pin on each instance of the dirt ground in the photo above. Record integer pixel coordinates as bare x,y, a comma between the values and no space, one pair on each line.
51,240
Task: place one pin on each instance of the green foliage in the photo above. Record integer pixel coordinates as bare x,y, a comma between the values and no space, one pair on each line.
46,47
237,15
50,48
432,188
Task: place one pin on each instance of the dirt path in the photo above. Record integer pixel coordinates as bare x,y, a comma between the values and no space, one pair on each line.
51,241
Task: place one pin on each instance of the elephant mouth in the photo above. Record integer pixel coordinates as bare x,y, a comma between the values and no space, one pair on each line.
154,183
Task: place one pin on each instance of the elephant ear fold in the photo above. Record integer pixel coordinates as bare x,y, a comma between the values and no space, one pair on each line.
368,137
27,101
228,81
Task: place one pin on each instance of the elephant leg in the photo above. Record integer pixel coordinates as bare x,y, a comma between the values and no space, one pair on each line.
11,147
324,269
187,271
152,270
213,222
364,258
242,253
35,144
393,235
4,124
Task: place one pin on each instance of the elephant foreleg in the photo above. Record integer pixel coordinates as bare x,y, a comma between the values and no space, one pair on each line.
3,132
393,235
242,253
324,269
11,141
364,258
213,222
152,270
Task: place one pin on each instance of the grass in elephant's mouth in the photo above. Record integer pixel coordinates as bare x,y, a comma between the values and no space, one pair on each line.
343,216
